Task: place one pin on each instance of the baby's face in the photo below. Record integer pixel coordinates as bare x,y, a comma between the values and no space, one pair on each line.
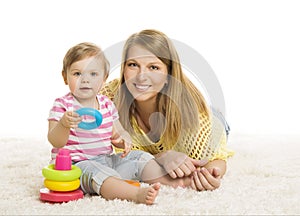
86,77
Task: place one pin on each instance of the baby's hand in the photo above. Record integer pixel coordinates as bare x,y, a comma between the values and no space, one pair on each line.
70,119
123,144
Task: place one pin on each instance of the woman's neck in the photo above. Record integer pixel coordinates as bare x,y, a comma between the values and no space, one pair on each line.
145,108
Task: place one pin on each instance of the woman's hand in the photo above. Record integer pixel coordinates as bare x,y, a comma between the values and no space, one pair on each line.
178,164
204,179
208,177
123,144
187,167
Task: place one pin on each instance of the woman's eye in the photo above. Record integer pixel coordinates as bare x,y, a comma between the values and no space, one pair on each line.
132,64
154,67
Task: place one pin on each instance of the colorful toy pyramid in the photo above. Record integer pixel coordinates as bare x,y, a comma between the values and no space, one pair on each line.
61,180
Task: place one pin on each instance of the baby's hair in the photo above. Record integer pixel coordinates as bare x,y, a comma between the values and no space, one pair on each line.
82,51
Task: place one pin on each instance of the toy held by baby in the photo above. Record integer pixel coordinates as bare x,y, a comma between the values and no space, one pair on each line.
90,112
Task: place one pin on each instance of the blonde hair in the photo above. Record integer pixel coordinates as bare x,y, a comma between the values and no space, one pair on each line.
179,101
80,52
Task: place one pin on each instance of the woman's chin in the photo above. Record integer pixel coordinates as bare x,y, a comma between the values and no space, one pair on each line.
143,97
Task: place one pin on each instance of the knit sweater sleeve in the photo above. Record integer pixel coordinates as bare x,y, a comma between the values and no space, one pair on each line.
110,89
208,141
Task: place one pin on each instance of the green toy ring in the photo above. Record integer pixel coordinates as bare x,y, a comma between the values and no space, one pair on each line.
61,175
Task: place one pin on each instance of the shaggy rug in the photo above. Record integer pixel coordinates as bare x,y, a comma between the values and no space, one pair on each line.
262,179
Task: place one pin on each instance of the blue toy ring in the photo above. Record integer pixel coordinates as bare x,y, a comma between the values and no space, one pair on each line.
91,112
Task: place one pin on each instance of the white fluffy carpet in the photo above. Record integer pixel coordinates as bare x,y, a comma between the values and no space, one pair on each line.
262,178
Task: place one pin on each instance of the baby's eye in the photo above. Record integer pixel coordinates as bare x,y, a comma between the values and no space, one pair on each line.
76,74
94,73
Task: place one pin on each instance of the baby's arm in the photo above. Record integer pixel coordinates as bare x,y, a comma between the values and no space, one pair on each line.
121,138
58,131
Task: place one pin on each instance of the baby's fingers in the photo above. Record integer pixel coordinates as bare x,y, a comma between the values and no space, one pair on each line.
71,119
126,151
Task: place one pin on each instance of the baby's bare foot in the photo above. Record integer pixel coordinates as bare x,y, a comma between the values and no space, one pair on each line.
148,195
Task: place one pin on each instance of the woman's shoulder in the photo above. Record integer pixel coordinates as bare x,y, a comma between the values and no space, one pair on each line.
109,89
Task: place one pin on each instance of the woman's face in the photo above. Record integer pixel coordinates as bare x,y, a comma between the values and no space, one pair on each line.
145,75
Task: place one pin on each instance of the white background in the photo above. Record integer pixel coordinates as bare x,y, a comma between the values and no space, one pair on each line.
252,46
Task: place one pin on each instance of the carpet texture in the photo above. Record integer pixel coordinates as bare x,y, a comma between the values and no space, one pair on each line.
262,178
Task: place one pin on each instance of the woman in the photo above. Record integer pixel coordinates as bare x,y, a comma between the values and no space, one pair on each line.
165,114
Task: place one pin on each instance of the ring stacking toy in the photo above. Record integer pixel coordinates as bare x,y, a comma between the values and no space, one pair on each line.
61,180
59,197
61,175
134,183
62,186
90,112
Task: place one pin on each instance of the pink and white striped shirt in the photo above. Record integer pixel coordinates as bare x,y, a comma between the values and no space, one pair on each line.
86,144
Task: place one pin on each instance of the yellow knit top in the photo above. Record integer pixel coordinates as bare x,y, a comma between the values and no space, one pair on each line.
208,141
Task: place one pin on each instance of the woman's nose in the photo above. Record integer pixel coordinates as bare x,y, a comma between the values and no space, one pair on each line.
142,74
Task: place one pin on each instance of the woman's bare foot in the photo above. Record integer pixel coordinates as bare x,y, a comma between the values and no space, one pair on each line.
147,195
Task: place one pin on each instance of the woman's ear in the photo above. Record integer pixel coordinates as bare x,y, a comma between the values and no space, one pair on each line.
166,82
106,76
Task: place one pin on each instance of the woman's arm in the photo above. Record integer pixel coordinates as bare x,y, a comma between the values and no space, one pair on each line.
178,164
219,165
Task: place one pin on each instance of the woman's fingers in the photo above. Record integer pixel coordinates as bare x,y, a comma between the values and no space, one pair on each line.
172,174
198,163
193,186
204,181
179,172
183,170
209,181
197,182
187,168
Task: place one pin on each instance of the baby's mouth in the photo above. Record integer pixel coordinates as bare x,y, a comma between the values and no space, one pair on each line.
85,88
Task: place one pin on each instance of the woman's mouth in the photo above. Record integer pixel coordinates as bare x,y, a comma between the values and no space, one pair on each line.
141,87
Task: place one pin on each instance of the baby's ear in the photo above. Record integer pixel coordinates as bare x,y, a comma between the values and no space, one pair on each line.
64,75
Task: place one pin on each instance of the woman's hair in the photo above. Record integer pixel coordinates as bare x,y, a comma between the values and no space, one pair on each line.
82,51
179,101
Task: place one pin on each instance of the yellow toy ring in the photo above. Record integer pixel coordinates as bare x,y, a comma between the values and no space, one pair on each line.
61,175
62,186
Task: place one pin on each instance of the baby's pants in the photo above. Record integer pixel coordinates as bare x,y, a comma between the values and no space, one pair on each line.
96,170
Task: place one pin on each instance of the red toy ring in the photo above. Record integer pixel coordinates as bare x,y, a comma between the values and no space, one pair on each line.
55,196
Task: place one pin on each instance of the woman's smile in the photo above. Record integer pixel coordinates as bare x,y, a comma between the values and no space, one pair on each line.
141,87
144,73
